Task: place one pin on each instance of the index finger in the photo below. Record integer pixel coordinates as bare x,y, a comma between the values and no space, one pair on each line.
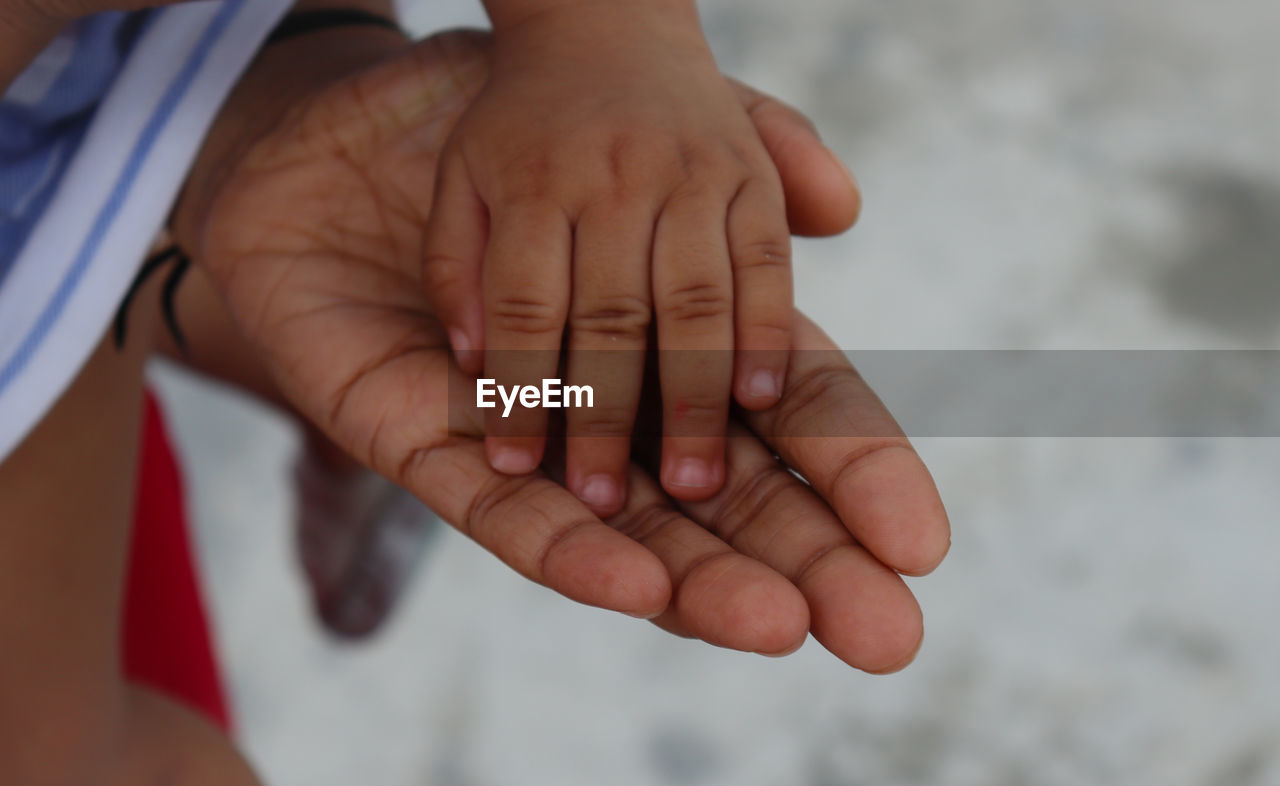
526,294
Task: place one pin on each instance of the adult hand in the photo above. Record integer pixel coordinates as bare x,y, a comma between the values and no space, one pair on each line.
313,232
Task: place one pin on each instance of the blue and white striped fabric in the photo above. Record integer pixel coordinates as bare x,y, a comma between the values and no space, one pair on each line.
45,113
96,137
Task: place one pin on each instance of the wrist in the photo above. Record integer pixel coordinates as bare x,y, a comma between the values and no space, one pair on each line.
591,33
283,76
506,15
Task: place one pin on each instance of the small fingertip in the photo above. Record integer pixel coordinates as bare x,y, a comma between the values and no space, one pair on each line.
465,353
689,474
692,479
602,493
511,460
764,384
761,390
459,341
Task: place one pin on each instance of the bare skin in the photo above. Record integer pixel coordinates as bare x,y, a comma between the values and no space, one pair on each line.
636,193
66,505
310,224
314,240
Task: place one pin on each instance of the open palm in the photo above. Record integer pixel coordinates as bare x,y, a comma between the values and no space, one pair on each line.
315,240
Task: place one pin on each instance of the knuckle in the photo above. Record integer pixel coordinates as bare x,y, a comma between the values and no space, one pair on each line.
695,191
763,330
603,421
622,317
751,153
631,159
618,156
525,179
766,253
626,154
714,162
527,316
445,271
703,408
697,302
705,177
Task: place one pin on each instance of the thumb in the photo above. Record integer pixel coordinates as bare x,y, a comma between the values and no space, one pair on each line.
822,196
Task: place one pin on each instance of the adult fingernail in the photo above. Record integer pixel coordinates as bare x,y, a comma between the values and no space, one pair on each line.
512,461
600,491
764,384
691,473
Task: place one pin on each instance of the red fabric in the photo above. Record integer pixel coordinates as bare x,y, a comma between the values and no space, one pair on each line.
166,639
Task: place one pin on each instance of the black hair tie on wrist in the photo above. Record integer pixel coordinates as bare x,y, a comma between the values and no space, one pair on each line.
182,263
305,22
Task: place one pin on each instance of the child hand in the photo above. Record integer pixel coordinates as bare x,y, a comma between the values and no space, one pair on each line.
609,176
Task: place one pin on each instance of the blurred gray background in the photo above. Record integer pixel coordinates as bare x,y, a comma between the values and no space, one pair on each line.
1038,174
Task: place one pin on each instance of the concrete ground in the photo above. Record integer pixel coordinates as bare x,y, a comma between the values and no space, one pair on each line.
1038,175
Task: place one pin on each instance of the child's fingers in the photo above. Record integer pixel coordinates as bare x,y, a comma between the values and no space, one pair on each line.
718,595
693,299
526,296
453,251
760,247
608,324
822,196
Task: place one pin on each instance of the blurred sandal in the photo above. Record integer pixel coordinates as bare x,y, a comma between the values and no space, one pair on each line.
359,538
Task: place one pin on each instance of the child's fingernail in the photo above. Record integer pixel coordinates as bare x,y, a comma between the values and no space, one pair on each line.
512,461
764,384
691,473
600,491
458,338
